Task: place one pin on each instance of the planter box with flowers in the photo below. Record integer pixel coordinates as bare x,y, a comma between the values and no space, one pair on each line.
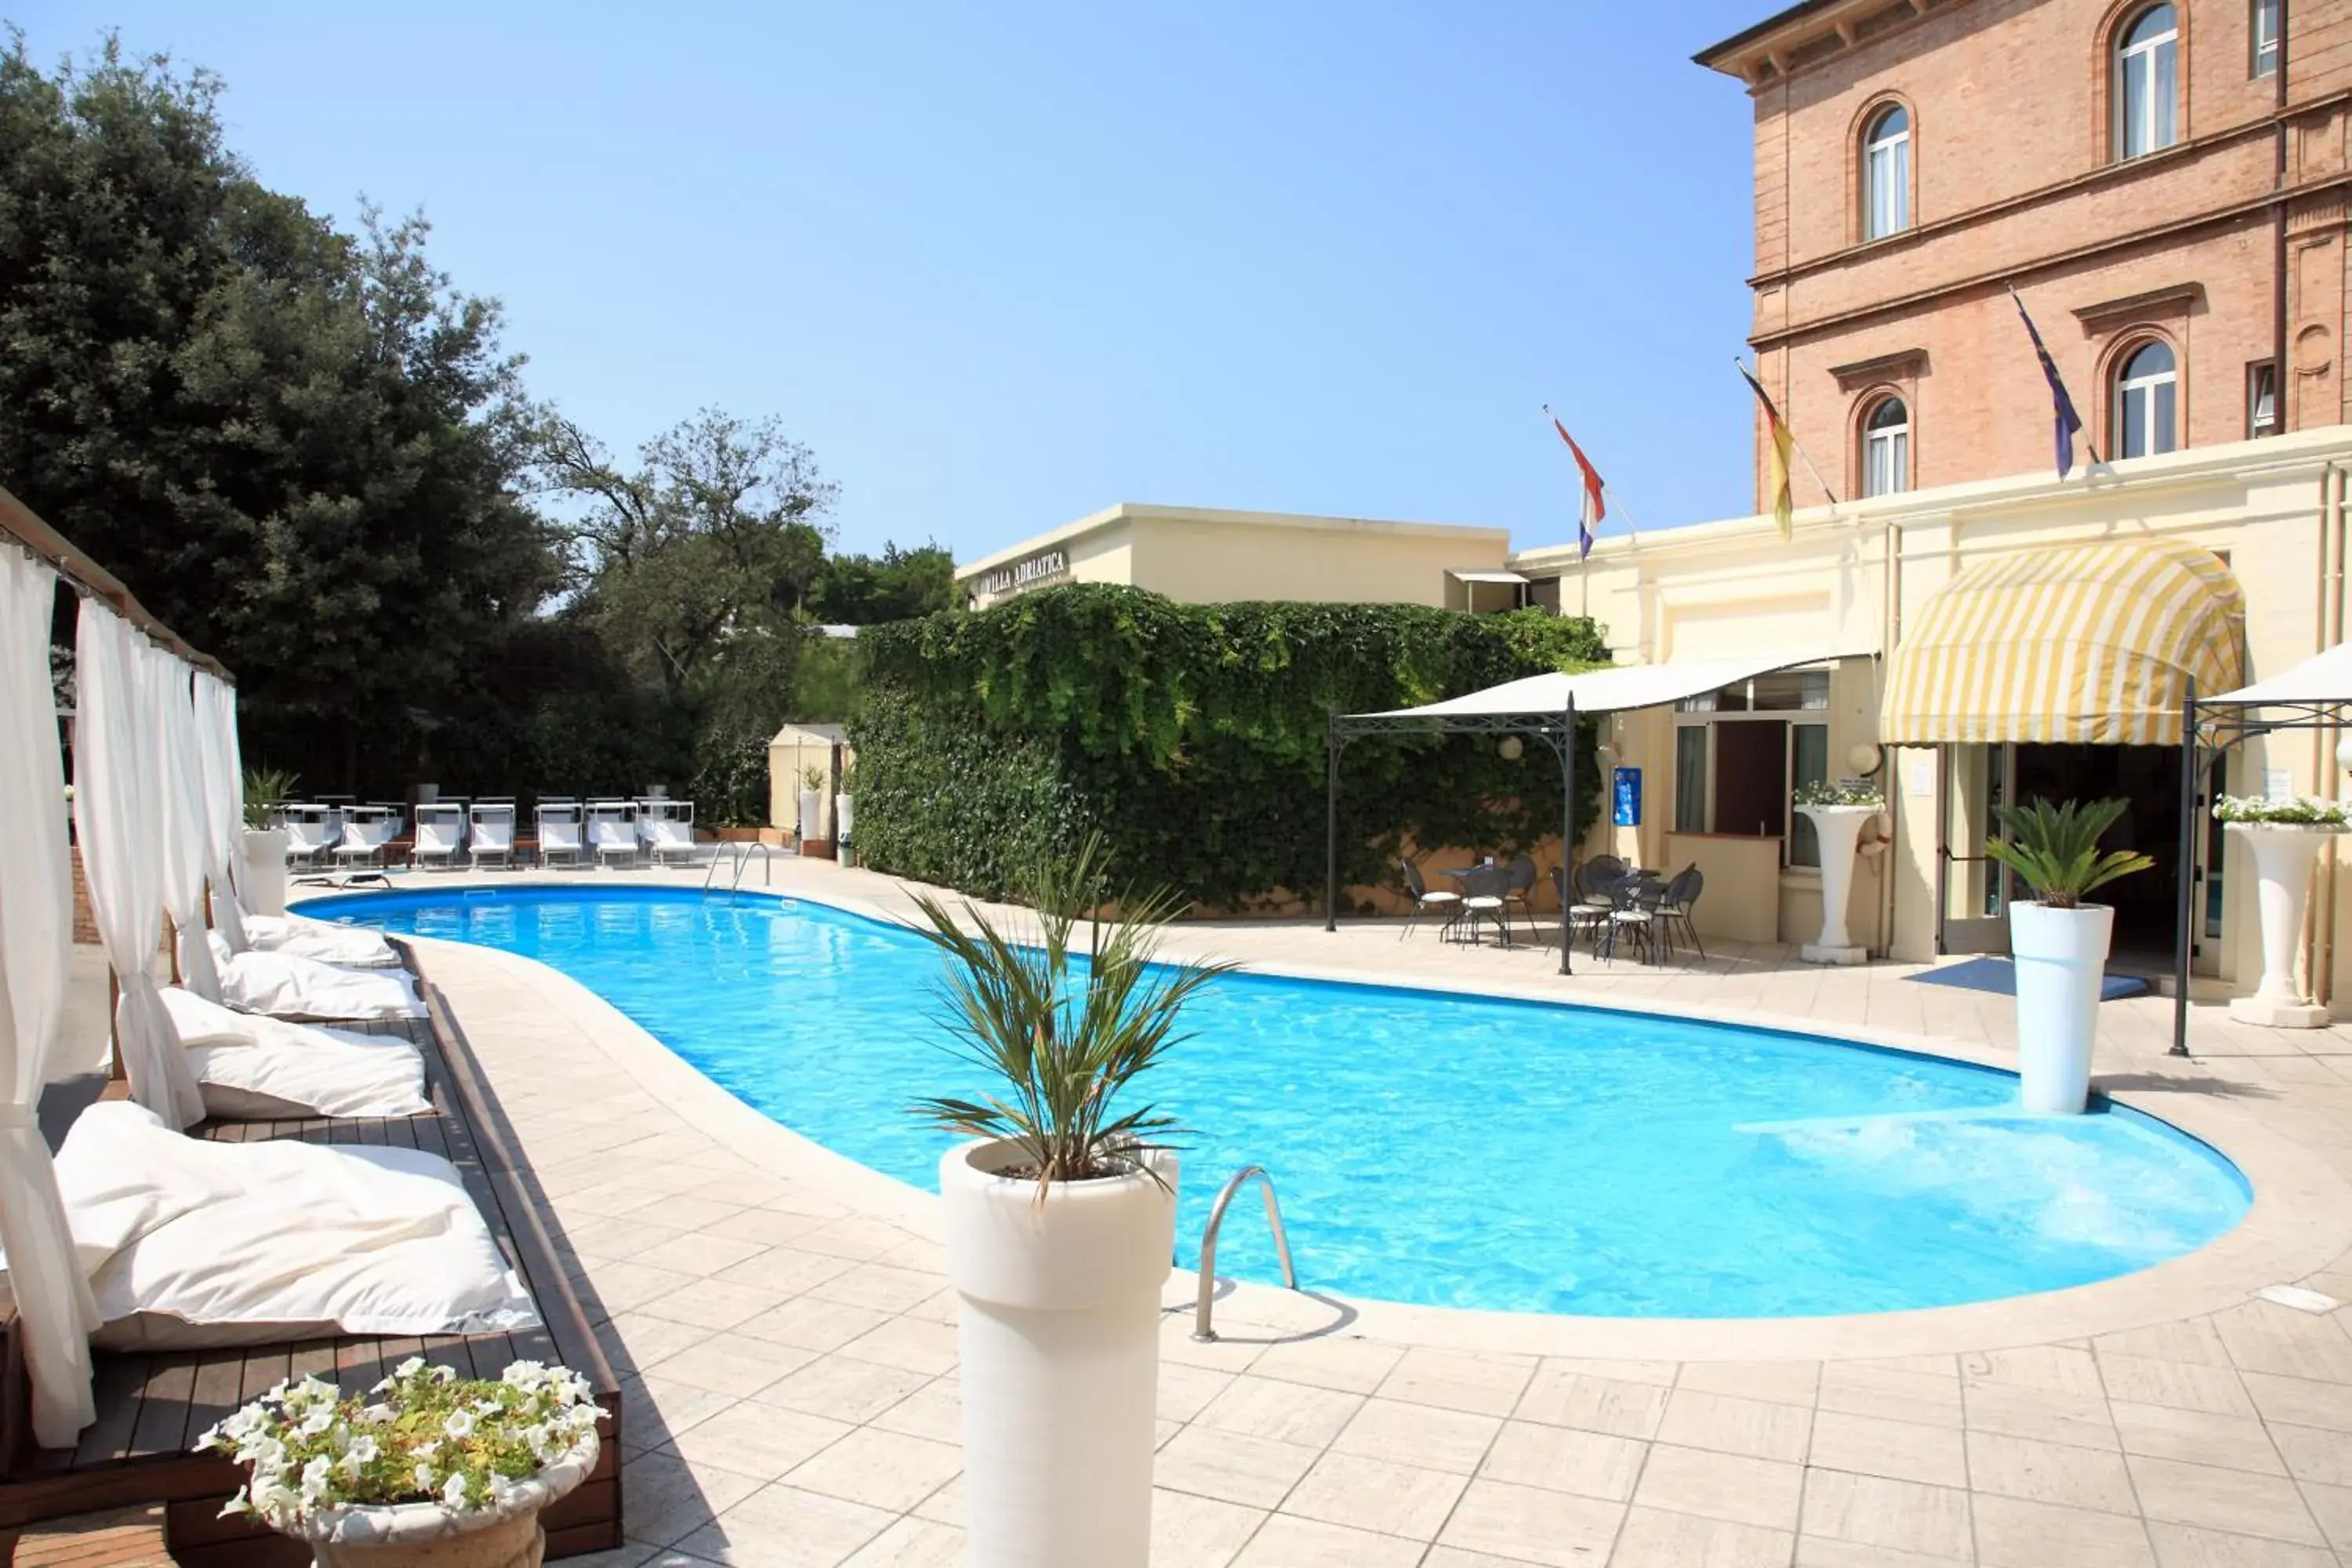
431,1470
2284,836
1838,813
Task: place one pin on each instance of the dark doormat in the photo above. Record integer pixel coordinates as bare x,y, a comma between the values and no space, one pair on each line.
1999,975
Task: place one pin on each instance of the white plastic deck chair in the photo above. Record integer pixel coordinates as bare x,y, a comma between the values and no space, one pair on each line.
440,834
366,830
559,832
613,832
493,825
307,843
670,832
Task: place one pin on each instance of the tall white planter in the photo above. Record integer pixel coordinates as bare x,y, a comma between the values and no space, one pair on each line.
265,870
1060,1348
1839,828
2283,852
812,813
2062,956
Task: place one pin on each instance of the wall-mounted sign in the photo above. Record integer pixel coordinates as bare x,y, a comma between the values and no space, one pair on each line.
1024,575
1625,796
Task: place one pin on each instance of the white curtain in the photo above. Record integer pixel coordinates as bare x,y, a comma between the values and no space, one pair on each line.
187,830
223,802
54,1310
119,818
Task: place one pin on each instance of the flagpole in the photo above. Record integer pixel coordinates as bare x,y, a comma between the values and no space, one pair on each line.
1811,466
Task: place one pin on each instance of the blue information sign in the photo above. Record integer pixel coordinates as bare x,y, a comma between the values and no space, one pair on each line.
1625,789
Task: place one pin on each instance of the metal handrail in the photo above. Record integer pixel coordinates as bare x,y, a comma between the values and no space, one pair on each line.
738,856
1201,1326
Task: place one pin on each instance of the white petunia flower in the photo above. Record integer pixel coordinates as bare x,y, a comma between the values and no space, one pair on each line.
410,1367
461,1424
453,1494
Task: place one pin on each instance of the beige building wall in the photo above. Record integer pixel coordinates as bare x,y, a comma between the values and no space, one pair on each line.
1738,587
1203,556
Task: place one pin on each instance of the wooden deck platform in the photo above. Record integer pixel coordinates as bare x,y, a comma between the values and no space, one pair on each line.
151,1407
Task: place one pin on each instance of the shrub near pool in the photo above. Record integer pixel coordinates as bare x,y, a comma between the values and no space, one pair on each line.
1194,736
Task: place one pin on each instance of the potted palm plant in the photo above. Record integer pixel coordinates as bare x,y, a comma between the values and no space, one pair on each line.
2284,836
2060,943
266,789
428,1469
1061,1212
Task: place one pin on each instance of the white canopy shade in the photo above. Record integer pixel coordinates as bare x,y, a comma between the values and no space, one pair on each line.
2323,678
1616,690
1508,578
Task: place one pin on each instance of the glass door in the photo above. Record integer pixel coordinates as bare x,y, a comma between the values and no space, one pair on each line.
1972,888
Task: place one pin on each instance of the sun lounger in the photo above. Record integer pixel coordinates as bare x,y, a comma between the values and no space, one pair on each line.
366,830
252,1069
299,936
190,1244
612,832
283,987
491,827
440,834
558,833
309,835
667,828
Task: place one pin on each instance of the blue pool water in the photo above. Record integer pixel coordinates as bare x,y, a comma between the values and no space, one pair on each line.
1435,1148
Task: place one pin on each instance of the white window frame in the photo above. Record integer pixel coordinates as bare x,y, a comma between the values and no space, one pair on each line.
1886,203
2264,27
2127,385
2159,115
2261,389
1706,720
1893,442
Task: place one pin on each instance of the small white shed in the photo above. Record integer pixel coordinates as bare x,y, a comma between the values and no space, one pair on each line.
795,749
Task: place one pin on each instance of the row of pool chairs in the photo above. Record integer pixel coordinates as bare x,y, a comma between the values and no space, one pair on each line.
1607,901
481,834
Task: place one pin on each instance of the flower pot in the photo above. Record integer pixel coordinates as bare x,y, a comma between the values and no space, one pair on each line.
2061,957
812,825
2283,852
1838,827
265,870
425,1535
1060,1351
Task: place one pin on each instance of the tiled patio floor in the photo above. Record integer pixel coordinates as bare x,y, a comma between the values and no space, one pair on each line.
788,1341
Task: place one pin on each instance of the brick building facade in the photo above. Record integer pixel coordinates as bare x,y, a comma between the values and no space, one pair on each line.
2163,177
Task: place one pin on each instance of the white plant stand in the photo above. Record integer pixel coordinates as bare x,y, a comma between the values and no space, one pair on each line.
2061,958
1059,1337
1839,828
2283,853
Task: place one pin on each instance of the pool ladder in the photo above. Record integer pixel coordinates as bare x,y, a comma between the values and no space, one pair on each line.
1201,1326
740,856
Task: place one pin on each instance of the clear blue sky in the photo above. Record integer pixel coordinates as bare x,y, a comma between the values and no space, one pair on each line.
1001,266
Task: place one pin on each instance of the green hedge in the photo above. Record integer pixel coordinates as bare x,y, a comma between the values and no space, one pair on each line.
1194,736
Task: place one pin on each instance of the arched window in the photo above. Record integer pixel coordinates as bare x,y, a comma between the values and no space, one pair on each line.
1886,173
1886,448
2148,402
2148,71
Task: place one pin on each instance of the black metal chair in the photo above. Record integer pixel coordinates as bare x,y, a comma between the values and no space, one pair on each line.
1590,912
1425,901
1634,914
1483,891
1519,887
1681,898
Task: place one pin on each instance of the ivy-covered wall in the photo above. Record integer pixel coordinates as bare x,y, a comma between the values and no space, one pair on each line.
1194,736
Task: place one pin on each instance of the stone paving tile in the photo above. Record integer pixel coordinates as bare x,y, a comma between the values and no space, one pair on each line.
789,1369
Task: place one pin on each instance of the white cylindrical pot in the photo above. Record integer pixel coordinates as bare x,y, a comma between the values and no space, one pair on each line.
842,816
264,884
1839,828
2283,853
812,813
2062,956
1060,1350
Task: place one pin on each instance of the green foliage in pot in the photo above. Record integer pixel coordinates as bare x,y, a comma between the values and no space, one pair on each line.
2056,848
266,790
813,778
1065,1032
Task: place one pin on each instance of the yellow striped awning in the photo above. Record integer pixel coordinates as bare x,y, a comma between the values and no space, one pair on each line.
2086,643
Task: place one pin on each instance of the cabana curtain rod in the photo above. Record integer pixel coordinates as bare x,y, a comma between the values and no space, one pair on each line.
19,522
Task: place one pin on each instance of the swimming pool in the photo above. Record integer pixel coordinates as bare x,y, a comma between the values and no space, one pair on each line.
1431,1148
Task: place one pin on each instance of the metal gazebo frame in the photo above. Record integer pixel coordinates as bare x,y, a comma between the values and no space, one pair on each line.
1556,731
2302,713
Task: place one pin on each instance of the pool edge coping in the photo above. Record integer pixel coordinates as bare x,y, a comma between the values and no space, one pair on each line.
2298,1222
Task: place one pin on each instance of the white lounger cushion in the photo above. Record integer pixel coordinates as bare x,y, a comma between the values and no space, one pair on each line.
287,987
299,936
251,1067
190,1243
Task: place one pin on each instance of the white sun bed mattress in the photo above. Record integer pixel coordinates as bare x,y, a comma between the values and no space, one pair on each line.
190,1244
253,1068
299,936
284,987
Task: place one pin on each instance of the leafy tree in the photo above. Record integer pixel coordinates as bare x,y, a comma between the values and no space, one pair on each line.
896,585
300,447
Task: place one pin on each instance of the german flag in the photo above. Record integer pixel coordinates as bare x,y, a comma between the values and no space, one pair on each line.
1784,504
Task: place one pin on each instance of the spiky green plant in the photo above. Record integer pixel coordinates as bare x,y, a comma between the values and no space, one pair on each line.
266,790
1065,1031
2056,848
